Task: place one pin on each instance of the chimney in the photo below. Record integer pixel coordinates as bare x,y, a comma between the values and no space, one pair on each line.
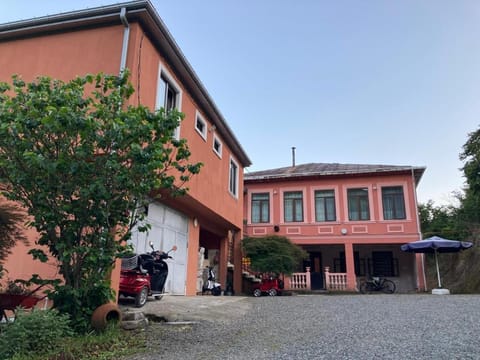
293,156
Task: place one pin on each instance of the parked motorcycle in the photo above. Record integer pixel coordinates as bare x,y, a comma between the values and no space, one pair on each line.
212,286
144,275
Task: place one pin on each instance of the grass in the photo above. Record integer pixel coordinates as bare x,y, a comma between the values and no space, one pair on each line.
110,344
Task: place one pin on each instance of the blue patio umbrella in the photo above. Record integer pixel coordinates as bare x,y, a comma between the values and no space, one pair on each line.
436,244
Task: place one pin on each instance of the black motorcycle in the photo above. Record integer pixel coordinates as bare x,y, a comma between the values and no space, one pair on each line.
145,275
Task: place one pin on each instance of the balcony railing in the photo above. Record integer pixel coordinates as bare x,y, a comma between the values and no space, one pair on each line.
298,281
335,281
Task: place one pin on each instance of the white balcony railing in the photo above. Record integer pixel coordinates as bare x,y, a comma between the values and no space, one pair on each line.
335,281
298,281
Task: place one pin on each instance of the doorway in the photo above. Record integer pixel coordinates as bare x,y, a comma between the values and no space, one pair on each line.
316,273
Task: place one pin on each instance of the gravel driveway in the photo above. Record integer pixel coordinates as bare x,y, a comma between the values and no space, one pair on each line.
327,327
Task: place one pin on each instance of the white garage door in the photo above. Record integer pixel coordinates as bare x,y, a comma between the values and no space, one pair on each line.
168,228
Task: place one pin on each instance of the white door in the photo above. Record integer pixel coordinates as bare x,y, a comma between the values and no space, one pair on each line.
168,228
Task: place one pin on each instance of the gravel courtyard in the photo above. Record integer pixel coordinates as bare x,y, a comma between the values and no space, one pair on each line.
326,327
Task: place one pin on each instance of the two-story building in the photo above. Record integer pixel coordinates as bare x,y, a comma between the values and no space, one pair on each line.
132,35
349,218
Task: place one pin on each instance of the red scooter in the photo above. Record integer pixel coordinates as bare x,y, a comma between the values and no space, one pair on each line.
144,275
270,285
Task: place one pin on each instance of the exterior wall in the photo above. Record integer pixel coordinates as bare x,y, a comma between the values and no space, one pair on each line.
63,55
210,187
209,201
372,228
209,204
332,237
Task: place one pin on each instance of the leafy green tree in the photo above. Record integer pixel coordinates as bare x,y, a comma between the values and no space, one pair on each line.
82,160
441,221
470,204
273,254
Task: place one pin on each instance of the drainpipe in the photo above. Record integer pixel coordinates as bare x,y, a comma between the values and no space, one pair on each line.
419,229
126,35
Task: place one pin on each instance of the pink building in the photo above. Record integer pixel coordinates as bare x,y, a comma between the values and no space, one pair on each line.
132,35
351,219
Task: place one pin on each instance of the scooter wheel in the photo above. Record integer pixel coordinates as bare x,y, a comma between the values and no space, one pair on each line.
272,292
257,292
141,297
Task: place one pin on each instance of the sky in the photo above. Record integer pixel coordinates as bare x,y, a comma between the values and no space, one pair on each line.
344,81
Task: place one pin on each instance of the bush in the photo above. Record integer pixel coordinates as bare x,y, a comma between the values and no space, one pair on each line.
38,331
273,254
113,343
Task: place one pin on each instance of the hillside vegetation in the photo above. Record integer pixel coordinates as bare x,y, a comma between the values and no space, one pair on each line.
459,272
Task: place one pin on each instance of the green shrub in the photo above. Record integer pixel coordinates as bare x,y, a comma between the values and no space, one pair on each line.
110,344
38,331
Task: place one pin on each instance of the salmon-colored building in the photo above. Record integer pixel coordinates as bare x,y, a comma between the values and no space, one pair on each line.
132,35
351,219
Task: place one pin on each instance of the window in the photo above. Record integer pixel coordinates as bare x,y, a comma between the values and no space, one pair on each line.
358,204
325,205
201,126
293,206
261,208
393,203
383,264
168,94
217,146
233,180
340,264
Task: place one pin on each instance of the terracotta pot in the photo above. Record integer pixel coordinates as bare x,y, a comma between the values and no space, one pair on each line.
105,314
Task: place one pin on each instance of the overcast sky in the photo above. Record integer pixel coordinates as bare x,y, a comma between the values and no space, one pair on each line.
347,81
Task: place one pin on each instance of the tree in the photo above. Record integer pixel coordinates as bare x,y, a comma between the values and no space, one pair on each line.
82,162
11,231
470,204
273,254
441,221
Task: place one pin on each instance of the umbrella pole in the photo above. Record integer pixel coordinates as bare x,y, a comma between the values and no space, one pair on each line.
438,271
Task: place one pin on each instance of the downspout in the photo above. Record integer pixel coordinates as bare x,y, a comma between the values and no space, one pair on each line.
419,229
126,36
115,273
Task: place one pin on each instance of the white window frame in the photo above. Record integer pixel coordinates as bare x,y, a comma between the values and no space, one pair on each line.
233,189
200,120
216,139
160,98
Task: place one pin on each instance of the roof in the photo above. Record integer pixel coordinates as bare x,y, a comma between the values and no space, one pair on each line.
328,169
143,12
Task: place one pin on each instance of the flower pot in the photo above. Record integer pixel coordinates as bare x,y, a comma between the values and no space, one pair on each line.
105,314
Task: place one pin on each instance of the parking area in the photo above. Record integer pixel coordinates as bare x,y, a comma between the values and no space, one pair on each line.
319,327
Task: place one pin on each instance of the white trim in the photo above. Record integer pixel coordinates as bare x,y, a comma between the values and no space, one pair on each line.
217,139
159,101
200,119
234,193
